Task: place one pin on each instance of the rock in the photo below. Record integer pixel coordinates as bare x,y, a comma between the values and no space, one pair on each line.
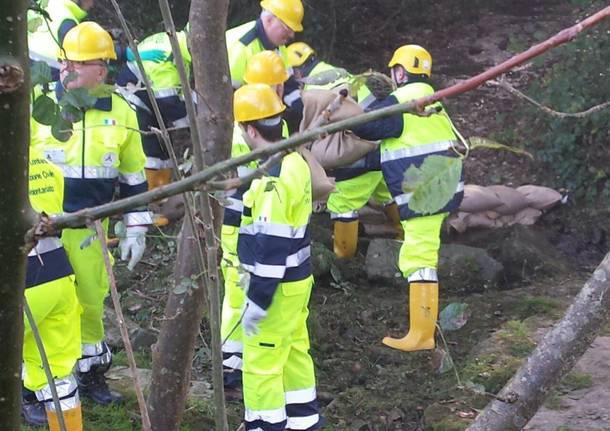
321,259
526,252
461,268
142,339
113,333
468,269
381,262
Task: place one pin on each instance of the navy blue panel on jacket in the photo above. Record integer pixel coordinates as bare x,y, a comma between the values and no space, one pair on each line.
384,128
54,265
82,193
370,162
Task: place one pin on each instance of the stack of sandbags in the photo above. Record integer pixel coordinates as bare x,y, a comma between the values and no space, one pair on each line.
501,206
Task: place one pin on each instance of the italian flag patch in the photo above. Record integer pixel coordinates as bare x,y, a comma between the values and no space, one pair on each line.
109,122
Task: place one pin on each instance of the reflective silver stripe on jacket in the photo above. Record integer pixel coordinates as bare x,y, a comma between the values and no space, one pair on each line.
420,150
423,274
132,179
242,171
97,355
367,101
166,92
302,422
281,230
295,259
137,218
91,172
156,163
235,205
301,396
46,245
406,197
292,97
349,214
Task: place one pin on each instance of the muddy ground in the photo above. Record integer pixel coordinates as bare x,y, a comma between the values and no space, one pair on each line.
364,385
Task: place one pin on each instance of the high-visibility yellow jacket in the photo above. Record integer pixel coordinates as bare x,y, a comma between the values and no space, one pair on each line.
163,75
44,42
407,140
274,241
245,41
103,150
48,260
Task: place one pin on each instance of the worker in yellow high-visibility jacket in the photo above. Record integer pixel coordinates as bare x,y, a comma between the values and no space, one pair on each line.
407,140
274,247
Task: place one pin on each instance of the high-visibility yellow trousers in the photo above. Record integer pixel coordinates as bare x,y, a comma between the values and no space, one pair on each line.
56,312
353,194
232,306
278,372
419,250
92,283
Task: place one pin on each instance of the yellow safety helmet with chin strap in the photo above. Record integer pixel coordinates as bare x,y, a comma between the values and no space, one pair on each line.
88,41
266,67
253,102
413,58
298,53
289,11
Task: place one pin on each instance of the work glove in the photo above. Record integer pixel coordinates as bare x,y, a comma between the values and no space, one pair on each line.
133,244
154,55
253,315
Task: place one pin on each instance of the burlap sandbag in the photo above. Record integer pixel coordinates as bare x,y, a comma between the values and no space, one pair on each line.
528,216
479,220
540,197
479,198
512,200
458,221
337,149
321,185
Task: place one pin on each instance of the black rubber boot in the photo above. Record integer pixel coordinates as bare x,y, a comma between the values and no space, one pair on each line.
93,385
32,410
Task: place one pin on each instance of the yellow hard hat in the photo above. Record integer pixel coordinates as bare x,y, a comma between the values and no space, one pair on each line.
266,67
298,53
88,41
255,102
289,11
413,58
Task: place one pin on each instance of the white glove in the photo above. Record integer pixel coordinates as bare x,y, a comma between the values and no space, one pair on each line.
133,244
253,315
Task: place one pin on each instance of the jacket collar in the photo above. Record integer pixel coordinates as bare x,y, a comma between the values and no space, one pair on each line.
260,31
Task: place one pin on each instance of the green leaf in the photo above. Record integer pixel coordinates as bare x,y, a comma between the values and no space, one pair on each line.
44,110
71,114
61,129
475,388
43,3
79,98
104,90
185,285
41,73
454,316
433,184
479,142
441,361
34,23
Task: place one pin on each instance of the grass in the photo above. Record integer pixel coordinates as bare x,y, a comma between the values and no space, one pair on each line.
143,359
574,381
515,338
536,306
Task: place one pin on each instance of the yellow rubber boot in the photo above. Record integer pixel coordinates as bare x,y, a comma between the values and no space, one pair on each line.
345,239
423,312
158,177
73,419
391,211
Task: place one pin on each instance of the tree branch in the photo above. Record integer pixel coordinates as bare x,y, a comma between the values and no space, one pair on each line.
502,83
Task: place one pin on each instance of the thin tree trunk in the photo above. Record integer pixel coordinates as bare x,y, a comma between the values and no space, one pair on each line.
555,355
14,212
184,310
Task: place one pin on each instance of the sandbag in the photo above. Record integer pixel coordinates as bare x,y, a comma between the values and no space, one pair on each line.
478,198
512,200
540,197
458,221
479,220
337,149
528,216
321,185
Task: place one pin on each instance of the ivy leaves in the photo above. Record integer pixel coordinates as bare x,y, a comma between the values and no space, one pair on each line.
433,184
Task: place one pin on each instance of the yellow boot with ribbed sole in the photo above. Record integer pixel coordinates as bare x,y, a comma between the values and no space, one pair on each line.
345,239
391,211
423,312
